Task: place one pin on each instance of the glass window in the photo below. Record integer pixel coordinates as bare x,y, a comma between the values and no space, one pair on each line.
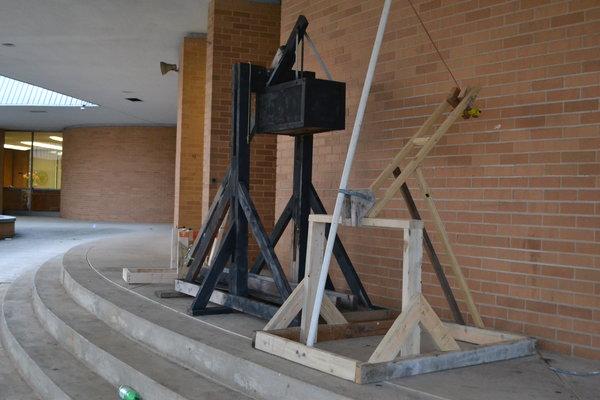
47,156
17,147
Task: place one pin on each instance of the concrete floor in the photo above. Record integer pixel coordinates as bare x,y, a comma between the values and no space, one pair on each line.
37,240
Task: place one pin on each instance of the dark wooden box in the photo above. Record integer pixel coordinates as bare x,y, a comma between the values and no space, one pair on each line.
302,106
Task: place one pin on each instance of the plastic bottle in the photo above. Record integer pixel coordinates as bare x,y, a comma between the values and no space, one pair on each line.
127,393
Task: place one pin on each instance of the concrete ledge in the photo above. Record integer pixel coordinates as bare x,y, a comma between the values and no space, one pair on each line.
224,356
116,358
51,371
7,226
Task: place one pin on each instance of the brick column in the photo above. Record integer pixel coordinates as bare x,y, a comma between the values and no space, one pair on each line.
238,31
190,133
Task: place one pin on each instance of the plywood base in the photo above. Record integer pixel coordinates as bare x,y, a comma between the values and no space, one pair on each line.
149,275
489,346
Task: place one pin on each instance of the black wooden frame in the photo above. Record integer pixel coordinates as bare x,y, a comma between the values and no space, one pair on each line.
234,196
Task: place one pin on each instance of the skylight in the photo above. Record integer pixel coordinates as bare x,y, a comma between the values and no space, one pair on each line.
17,93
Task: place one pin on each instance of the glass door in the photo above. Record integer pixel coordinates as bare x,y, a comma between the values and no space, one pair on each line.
32,171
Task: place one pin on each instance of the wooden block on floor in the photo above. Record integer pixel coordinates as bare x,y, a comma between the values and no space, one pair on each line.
149,275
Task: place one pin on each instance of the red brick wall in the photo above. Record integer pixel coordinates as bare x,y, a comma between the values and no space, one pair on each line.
118,174
518,188
238,31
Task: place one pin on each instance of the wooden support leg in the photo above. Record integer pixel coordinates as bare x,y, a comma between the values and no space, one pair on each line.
399,332
314,259
437,220
303,296
436,328
288,310
411,284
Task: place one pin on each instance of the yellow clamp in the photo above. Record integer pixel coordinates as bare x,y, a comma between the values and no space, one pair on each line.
471,112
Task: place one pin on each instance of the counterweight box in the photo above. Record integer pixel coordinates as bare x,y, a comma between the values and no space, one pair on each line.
302,106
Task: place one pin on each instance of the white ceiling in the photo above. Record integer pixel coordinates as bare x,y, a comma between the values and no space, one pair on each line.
94,50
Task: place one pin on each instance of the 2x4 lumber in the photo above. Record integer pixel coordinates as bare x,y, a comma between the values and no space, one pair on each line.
470,95
341,331
288,310
441,229
433,257
371,373
411,285
321,360
401,329
436,328
402,154
371,222
371,315
314,258
471,334
149,275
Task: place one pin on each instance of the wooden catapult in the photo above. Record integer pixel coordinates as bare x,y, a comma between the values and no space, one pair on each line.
401,332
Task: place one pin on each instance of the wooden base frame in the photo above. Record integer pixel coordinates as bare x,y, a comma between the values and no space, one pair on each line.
401,333
490,346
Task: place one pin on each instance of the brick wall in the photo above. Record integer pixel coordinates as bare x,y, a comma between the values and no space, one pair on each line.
190,133
238,31
118,174
518,188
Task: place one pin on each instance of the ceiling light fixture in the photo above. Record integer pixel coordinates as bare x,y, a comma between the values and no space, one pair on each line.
15,147
44,145
56,138
165,67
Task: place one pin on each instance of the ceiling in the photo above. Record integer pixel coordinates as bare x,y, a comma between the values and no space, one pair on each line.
101,51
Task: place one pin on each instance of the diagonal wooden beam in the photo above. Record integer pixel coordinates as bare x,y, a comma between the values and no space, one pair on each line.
389,169
441,229
437,330
403,326
469,97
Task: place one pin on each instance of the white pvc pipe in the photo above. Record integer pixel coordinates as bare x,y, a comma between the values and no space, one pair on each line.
362,105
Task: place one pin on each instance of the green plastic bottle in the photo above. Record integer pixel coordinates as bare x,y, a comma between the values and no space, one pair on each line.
127,393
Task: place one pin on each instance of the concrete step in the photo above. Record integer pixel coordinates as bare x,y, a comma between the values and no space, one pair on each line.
113,356
48,368
12,386
202,346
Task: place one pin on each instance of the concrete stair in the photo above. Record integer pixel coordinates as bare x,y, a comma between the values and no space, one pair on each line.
74,333
110,354
48,368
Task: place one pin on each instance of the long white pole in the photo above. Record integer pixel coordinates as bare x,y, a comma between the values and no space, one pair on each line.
360,113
